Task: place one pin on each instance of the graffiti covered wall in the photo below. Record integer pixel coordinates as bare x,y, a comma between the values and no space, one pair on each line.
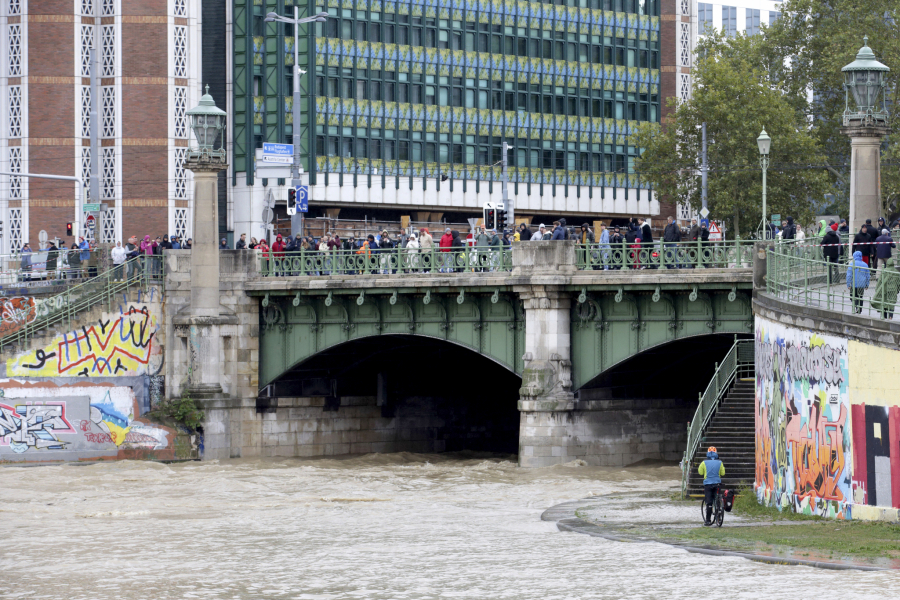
48,422
15,313
803,433
119,344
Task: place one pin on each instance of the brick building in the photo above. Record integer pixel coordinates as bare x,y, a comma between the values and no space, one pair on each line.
150,67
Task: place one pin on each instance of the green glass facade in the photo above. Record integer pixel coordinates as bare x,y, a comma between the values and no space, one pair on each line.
433,87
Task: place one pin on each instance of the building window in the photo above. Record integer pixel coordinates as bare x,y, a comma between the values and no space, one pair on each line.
15,166
108,177
180,174
15,229
180,112
684,90
108,108
87,7
773,16
15,7
181,223
180,8
181,52
15,111
87,43
729,20
85,111
86,166
685,45
704,16
752,21
686,7
108,8
108,228
15,50
108,52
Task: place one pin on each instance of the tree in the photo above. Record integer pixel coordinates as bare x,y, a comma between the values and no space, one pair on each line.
733,96
806,50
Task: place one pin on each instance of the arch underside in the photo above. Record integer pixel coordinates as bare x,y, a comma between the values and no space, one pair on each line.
294,329
609,329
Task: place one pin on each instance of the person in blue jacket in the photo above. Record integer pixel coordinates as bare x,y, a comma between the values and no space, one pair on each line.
712,469
857,280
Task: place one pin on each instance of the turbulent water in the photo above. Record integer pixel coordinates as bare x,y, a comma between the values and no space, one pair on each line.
376,527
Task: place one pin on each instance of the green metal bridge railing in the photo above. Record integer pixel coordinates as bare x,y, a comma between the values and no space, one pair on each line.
738,363
104,288
404,261
801,275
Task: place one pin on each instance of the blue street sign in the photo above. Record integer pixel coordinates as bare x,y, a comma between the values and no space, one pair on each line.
278,149
302,198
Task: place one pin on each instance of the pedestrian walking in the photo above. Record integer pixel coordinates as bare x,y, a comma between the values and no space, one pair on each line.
862,244
790,230
857,280
482,249
412,251
585,240
604,246
885,297
456,250
883,245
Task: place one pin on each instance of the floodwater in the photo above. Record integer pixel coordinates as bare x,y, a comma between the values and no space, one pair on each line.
399,526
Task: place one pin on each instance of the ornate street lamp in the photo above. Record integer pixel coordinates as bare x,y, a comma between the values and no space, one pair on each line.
207,123
864,79
765,143
866,125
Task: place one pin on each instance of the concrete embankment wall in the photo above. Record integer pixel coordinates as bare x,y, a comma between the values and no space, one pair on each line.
78,390
310,426
827,413
607,432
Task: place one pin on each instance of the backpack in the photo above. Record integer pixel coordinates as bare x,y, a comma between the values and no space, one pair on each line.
728,500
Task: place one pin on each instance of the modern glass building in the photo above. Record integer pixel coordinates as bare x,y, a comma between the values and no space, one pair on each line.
408,103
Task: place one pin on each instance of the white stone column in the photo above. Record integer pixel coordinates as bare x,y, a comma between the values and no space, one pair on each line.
865,174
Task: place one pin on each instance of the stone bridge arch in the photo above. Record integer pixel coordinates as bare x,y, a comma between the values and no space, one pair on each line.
296,328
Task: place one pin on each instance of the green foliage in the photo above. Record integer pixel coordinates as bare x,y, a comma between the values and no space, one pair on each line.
743,84
733,97
183,409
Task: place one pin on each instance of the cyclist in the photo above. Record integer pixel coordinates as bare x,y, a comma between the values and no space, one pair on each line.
712,470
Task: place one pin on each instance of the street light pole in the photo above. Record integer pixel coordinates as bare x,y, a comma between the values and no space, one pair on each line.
295,128
765,143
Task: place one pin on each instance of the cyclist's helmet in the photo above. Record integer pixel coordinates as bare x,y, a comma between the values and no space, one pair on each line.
712,449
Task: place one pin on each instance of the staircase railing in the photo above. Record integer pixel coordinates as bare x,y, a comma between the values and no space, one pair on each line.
739,362
105,287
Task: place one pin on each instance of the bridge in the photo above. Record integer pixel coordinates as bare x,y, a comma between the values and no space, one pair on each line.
549,350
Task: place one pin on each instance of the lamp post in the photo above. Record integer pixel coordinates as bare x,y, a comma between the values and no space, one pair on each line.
866,125
273,17
765,143
204,315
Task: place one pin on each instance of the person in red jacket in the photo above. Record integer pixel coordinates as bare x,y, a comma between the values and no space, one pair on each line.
446,241
278,247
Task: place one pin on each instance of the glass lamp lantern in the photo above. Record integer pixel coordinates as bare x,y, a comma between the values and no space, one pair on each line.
207,123
864,79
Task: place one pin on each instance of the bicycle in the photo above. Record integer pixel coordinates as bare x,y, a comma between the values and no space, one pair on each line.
718,509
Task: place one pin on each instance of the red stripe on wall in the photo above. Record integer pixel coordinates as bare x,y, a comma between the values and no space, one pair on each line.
860,474
894,426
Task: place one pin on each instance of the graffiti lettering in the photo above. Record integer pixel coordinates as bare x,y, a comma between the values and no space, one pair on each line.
15,313
37,426
119,347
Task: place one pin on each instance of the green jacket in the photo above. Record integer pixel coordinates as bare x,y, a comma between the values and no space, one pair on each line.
702,469
496,242
885,296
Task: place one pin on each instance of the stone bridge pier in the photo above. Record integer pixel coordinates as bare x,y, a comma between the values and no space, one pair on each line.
557,328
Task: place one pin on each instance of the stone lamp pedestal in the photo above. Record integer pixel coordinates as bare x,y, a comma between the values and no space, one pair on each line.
865,173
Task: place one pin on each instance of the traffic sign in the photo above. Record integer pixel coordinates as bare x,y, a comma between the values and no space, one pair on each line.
91,222
270,149
776,220
93,207
302,198
704,212
267,215
715,234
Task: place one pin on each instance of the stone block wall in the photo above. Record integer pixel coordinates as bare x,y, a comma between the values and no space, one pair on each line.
608,433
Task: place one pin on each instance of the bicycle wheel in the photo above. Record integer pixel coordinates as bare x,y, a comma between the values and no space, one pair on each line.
703,510
720,511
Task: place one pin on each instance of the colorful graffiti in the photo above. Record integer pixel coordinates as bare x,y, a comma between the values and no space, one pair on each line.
113,347
15,313
803,437
34,426
93,419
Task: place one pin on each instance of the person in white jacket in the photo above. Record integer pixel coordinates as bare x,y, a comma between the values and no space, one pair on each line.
412,246
118,257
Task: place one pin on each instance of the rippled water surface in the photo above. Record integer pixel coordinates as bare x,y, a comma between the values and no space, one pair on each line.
380,526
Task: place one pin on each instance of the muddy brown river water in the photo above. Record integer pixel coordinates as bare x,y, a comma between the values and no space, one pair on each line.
399,526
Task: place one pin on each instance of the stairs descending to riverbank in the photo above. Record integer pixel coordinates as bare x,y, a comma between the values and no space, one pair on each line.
732,432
